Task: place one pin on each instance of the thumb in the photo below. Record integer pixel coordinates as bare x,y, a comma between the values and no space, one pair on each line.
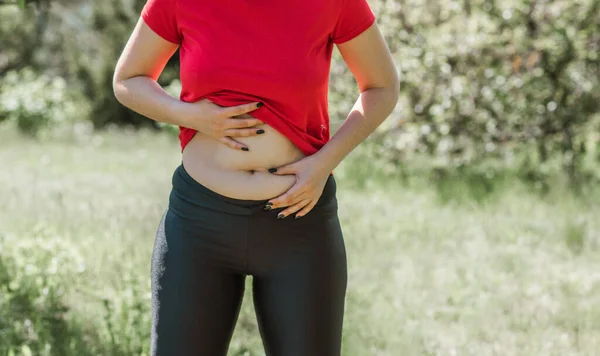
285,169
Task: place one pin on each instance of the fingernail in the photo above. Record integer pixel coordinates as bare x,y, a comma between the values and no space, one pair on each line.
272,170
269,203
260,131
259,105
245,148
297,216
268,207
280,216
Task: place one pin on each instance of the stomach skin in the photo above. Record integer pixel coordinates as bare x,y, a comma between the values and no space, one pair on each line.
242,174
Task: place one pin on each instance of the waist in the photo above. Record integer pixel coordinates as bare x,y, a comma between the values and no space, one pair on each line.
241,174
188,193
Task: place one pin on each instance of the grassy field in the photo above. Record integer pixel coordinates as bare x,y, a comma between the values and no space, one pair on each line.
516,276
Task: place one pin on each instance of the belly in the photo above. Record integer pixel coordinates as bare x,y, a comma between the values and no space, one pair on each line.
242,174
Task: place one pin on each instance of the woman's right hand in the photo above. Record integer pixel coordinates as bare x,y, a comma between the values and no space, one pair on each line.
223,122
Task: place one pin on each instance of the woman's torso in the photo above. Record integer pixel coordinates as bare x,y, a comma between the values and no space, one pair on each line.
257,52
276,52
242,174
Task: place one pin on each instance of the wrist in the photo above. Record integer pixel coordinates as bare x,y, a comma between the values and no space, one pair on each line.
181,113
327,159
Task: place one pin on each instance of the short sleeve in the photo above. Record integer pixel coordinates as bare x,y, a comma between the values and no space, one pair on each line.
161,17
354,18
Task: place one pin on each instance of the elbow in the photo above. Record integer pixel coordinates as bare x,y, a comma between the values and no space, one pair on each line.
388,86
392,89
118,88
116,93
116,83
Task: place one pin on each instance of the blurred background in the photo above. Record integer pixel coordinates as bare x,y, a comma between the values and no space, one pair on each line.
470,215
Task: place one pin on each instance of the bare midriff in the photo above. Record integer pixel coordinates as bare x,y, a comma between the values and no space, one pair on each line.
242,174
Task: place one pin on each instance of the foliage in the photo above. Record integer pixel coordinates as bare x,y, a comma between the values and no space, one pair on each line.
36,280
127,316
79,42
483,78
23,50
34,274
92,60
480,78
38,101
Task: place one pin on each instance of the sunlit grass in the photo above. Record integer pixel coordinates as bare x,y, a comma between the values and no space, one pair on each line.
516,275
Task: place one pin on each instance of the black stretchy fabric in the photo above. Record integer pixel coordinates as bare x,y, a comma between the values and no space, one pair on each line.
207,243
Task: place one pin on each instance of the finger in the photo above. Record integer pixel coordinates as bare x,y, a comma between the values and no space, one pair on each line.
240,109
285,169
243,132
291,197
228,141
292,209
241,123
243,116
306,209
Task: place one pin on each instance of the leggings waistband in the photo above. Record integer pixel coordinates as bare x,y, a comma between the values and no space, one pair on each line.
197,193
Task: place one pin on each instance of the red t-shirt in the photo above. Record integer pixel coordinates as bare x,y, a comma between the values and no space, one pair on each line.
275,51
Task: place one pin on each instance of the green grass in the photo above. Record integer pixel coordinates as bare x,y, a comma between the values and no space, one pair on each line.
515,275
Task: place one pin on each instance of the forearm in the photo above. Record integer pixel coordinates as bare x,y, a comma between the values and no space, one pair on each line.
370,110
145,96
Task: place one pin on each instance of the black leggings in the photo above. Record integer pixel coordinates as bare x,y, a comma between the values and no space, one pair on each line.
206,245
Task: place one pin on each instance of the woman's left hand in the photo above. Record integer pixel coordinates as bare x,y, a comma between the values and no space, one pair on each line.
311,175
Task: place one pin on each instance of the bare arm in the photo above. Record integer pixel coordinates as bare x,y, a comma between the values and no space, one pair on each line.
134,84
369,59
139,66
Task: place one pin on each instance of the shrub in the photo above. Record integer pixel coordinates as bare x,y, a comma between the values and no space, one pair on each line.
34,277
36,102
490,79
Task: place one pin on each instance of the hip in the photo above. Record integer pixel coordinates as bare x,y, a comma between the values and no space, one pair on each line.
191,198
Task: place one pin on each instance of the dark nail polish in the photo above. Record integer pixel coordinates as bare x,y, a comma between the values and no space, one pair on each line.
261,131
268,207
268,203
297,216
245,148
280,216
259,105
272,170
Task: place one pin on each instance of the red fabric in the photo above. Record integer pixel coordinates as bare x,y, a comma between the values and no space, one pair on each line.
275,51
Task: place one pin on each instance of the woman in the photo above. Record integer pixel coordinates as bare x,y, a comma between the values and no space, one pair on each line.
256,148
